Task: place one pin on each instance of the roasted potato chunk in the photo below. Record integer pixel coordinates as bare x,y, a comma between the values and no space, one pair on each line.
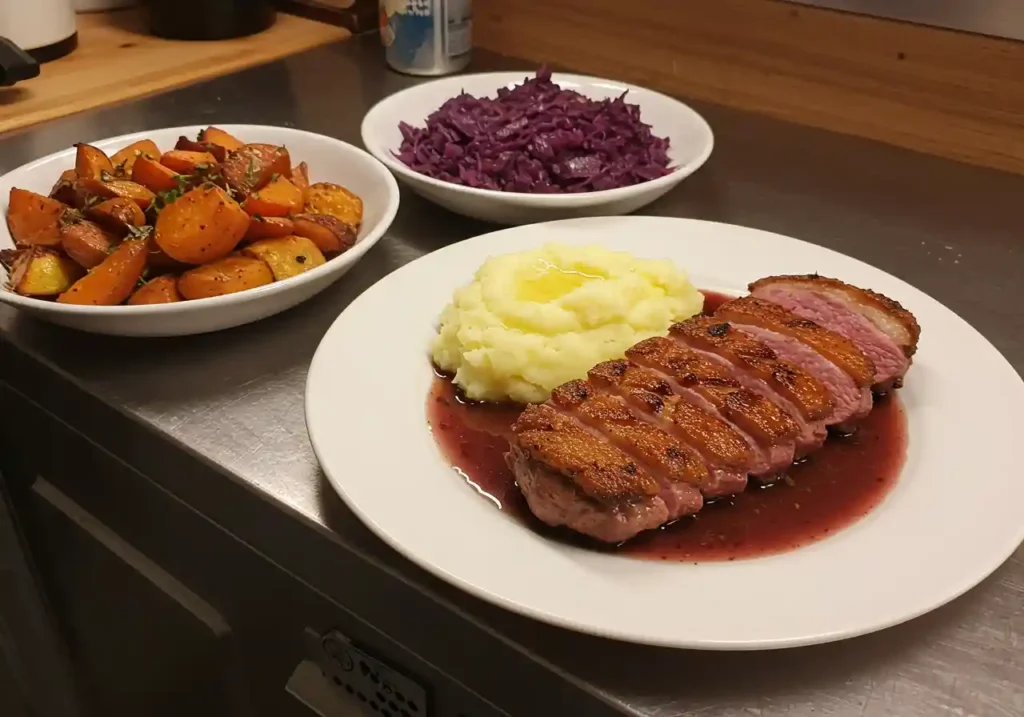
90,191
86,243
286,256
203,225
34,219
336,201
113,280
253,166
161,290
41,272
92,162
154,176
261,227
278,199
217,136
330,234
185,162
124,159
226,276
117,215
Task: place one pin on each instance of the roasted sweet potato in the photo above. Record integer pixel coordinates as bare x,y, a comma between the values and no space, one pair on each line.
124,159
92,162
226,276
253,166
336,201
42,272
268,228
64,189
189,145
88,244
34,219
154,176
278,199
185,162
113,280
161,290
300,178
117,214
330,234
204,225
92,191
217,136
286,256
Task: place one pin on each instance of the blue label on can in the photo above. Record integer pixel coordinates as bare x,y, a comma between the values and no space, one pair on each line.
407,30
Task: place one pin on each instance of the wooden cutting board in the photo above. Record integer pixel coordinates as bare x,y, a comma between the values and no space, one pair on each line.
117,60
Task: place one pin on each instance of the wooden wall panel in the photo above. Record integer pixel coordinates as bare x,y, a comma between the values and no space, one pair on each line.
936,91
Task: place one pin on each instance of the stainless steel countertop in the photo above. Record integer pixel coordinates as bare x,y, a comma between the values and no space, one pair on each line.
235,398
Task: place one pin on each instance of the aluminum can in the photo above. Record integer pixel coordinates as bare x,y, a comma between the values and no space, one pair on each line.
427,37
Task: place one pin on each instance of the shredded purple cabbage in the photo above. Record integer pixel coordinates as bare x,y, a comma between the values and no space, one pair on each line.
536,138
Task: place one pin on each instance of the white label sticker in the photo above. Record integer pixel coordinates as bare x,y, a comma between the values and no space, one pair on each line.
459,27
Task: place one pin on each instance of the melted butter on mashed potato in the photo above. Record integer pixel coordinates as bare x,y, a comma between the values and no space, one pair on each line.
531,321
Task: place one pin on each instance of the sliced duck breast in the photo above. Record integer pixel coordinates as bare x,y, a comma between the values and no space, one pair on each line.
885,331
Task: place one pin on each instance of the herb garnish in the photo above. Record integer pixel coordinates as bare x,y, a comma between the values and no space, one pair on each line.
162,199
251,170
142,232
7,258
71,216
106,176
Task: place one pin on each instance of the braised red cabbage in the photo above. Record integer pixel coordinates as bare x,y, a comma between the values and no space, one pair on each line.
536,137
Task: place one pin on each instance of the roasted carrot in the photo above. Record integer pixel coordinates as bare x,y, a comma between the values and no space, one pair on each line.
112,281
161,290
185,162
154,176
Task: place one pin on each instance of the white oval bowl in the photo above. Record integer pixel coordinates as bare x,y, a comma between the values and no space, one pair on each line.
329,160
691,142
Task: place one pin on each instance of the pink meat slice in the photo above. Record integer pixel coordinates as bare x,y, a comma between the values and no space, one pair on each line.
838,315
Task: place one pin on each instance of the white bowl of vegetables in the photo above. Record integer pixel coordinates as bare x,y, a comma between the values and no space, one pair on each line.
187,230
510,149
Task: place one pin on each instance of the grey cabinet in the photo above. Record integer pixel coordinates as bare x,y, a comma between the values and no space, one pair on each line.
164,612
136,633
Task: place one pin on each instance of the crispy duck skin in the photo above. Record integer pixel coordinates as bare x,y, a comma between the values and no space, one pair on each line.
716,438
600,470
887,314
645,443
837,349
755,414
807,394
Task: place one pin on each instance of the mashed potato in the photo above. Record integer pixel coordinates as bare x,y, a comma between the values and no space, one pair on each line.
531,321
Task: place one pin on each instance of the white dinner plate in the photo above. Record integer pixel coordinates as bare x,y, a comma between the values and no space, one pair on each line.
953,516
